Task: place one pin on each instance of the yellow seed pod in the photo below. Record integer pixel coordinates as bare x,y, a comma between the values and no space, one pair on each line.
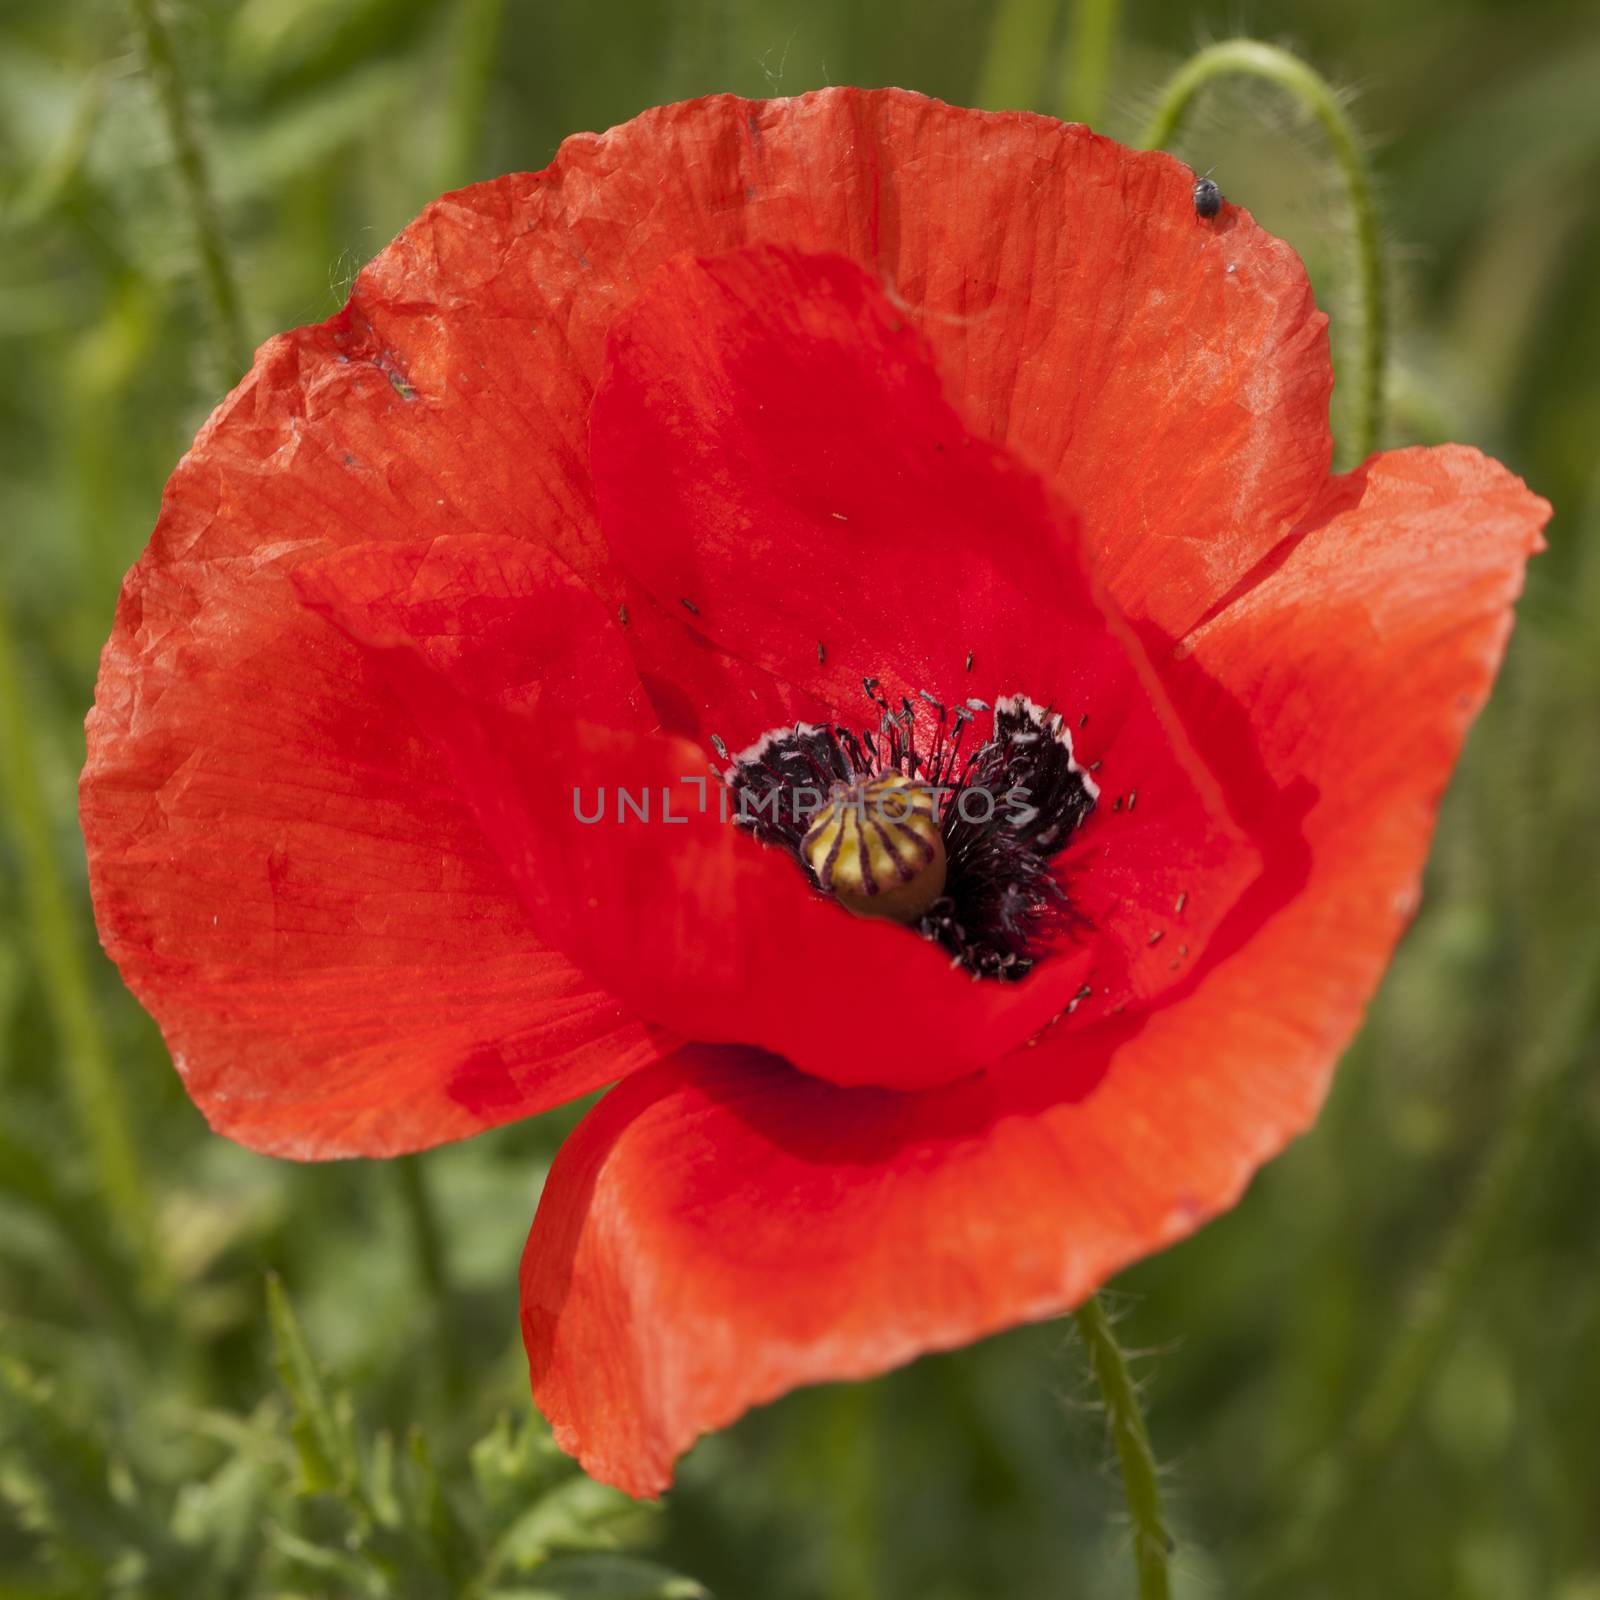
877,849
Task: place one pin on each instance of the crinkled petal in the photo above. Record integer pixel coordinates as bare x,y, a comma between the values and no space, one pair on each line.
1169,375
288,879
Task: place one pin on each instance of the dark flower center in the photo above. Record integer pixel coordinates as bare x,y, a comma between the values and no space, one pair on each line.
954,837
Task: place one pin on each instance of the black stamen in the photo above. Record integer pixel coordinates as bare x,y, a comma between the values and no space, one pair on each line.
1003,903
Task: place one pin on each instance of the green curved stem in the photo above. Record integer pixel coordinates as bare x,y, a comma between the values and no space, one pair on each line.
1251,58
1151,1544
161,61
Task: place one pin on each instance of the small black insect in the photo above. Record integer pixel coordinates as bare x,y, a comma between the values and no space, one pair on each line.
1207,197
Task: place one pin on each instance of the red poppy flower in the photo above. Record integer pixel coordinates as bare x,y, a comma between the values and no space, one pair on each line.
852,443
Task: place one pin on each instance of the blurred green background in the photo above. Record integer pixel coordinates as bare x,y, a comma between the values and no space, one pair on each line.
1379,1375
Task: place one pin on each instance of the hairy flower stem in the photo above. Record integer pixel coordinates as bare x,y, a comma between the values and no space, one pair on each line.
1086,65
93,1086
1251,58
216,270
1547,1084
1151,1545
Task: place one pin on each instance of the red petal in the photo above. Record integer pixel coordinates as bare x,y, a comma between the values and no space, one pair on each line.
722,1229
1170,375
503,620
1361,652
773,453
288,881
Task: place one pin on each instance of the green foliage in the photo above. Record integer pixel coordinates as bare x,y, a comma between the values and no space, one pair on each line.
167,1428
296,1498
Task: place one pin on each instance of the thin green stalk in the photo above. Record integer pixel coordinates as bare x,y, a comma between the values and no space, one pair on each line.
1547,1083
1253,59
1091,32
1019,40
427,1248
1151,1544
427,1241
216,269
93,1087
471,89
849,1453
